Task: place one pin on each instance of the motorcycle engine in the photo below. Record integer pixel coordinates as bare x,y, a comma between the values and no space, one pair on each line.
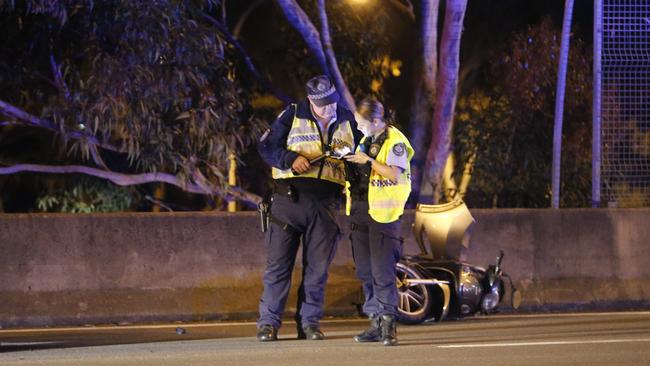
470,291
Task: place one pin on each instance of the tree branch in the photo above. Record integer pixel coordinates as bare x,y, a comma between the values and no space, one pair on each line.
158,203
406,8
266,84
223,12
242,18
38,122
31,120
300,21
97,158
122,179
58,78
331,58
117,178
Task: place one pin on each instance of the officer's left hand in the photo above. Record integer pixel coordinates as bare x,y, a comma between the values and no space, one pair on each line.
358,157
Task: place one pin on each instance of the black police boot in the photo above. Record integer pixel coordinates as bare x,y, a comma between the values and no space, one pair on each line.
372,334
312,333
267,333
389,330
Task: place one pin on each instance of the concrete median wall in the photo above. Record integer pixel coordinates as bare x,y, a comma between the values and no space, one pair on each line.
59,269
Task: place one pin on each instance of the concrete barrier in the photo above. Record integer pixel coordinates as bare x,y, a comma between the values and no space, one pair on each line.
60,269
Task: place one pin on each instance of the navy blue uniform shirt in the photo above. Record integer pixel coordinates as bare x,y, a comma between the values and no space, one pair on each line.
273,146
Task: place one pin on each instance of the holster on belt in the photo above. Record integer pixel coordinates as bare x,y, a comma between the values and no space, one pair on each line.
264,208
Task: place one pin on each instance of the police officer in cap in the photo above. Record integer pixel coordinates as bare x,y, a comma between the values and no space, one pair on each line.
380,183
308,186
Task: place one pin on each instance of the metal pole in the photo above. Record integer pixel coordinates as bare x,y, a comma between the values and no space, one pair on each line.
232,180
596,113
559,102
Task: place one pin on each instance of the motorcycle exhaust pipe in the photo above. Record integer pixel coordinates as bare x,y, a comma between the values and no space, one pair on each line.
424,281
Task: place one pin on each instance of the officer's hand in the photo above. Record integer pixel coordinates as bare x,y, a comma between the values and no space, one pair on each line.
301,165
358,157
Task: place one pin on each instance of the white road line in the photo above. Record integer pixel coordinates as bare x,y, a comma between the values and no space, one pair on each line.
550,343
25,344
569,315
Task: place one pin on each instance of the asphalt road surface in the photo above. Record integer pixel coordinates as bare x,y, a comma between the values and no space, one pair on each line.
618,338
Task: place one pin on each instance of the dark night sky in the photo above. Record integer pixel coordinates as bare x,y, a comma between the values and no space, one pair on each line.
488,26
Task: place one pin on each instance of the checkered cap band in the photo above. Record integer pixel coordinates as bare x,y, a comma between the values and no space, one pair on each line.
321,91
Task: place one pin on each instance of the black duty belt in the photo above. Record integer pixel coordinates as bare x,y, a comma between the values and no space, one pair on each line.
286,190
294,193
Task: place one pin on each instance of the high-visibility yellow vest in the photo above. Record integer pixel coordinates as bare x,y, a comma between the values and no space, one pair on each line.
386,199
305,139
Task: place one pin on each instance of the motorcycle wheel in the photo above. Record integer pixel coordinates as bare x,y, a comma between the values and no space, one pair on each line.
415,301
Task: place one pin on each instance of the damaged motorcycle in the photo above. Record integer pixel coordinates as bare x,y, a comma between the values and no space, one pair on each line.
437,283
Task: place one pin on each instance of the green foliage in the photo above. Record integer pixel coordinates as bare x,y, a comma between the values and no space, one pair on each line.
149,77
625,152
87,196
508,126
363,38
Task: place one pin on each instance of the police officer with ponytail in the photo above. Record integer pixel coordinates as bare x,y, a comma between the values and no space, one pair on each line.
308,186
380,182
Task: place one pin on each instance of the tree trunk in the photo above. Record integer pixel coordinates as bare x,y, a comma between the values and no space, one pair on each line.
335,73
446,93
559,102
425,91
300,21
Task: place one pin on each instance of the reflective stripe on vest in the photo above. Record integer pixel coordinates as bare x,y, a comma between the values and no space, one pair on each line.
304,138
386,199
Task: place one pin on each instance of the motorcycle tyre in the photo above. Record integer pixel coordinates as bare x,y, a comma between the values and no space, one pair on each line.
425,311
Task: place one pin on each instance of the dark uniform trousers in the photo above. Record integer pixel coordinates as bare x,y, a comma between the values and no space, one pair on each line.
376,247
312,218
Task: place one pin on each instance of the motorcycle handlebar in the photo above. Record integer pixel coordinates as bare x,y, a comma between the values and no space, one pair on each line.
499,259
